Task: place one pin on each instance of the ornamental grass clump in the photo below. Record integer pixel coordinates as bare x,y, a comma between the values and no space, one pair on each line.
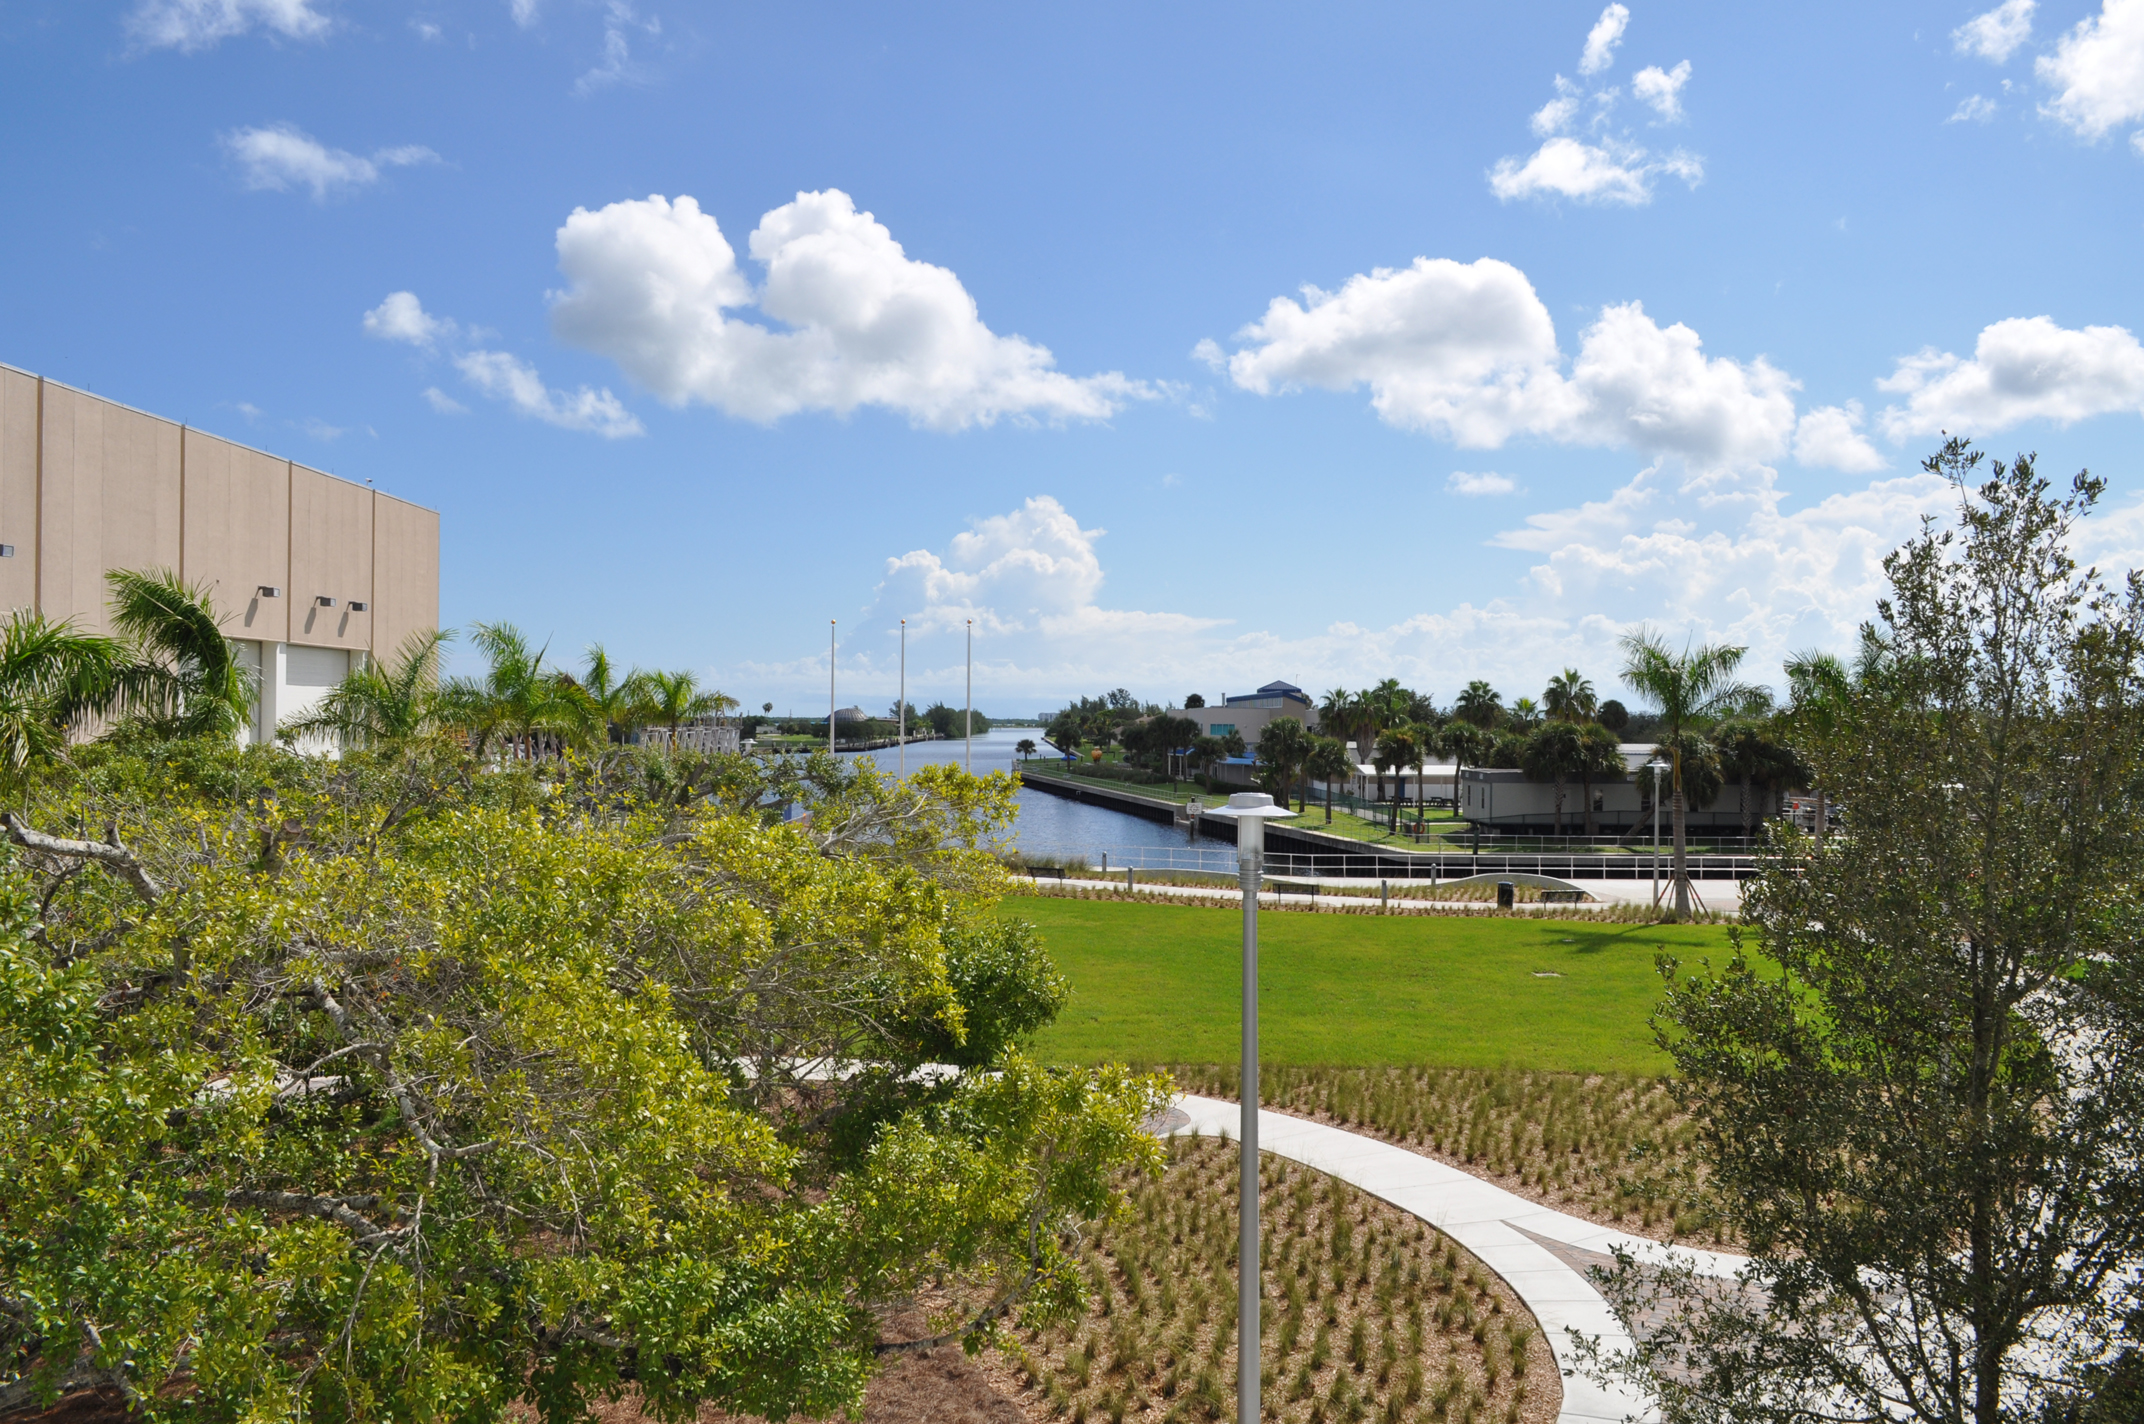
1611,1147
1358,1294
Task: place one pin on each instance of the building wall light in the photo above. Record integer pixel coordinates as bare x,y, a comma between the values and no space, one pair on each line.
325,600
358,607
7,551
268,590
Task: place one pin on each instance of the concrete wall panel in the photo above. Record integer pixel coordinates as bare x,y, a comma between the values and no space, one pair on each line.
110,501
18,488
238,534
405,573
331,557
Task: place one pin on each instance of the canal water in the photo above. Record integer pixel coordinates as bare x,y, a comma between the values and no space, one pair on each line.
1070,830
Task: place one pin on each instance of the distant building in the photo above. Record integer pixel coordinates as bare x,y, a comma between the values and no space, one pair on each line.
851,714
1507,800
1247,714
310,574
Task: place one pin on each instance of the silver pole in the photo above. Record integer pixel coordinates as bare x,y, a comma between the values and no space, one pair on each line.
904,697
1250,857
1656,837
967,754
830,686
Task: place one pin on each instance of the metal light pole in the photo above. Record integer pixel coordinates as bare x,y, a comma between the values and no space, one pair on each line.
967,754
1250,810
904,697
830,686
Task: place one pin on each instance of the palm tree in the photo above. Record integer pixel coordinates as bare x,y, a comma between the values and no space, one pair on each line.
1691,689
1552,754
185,679
1399,748
1464,742
1599,755
1525,715
518,698
1284,748
1424,739
1025,747
1328,763
381,706
1479,704
1819,688
1750,754
615,700
675,698
49,676
1569,697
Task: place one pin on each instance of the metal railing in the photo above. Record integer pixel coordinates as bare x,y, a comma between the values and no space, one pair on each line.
1220,860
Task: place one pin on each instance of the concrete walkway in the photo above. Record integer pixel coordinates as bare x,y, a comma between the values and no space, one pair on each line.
1541,1254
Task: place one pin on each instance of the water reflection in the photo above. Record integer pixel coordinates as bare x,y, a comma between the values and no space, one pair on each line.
1058,827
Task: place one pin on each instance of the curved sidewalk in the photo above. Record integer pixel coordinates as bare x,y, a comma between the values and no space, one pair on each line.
1541,1254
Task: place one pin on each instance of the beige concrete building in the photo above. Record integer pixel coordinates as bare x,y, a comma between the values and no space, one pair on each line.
311,574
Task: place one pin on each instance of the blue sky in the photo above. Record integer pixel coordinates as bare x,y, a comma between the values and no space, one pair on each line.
1179,347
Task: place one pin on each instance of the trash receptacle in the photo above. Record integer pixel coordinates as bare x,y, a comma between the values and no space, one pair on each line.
1507,894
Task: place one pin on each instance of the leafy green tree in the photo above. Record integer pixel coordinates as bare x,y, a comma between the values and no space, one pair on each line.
1478,703
1692,689
50,677
1284,749
1025,747
1751,755
1920,1106
1614,716
1209,751
380,706
1328,762
184,678
356,1092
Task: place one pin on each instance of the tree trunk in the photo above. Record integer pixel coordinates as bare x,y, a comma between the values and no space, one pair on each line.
1745,804
1559,803
1328,800
1585,791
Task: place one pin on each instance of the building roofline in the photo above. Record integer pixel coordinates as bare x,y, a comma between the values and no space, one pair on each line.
183,425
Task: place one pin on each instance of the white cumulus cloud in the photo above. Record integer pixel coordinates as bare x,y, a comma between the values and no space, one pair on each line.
1976,109
1996,34
508,378
498,374
1591,161
653,283
2099,69
282,157
1601,40
2024,368
1662,89
1830,436
1605,172
189,25
1468,352
401,317
523,11
1482,483
1032,573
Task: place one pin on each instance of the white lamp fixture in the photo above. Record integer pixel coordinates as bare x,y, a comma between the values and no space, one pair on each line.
1250,810
324,600
268,590
359,606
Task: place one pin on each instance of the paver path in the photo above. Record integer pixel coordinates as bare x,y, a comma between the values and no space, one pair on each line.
1512,1236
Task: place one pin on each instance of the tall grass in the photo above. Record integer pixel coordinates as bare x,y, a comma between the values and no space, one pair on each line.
1369,1315
1612,1148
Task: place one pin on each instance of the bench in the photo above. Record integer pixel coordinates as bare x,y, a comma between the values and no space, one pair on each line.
1045,872
1563,897
1289,887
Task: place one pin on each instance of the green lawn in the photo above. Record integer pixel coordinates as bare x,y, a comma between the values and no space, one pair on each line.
1159,984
